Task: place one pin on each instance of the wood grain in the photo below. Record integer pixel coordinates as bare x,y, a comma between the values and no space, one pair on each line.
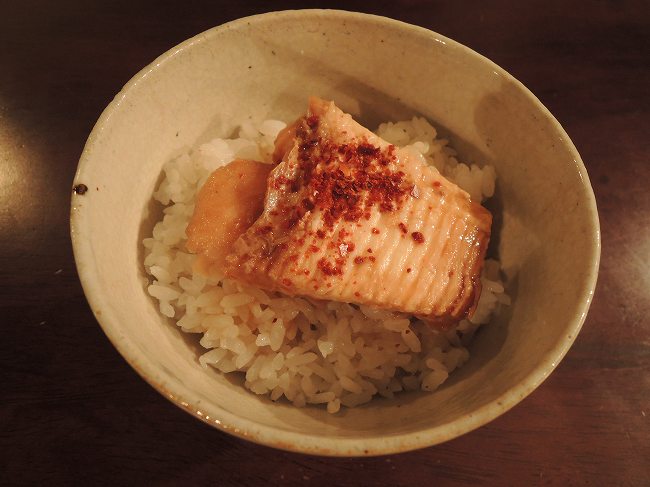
73,412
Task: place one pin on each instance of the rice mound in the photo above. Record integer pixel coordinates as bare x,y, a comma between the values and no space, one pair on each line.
310,352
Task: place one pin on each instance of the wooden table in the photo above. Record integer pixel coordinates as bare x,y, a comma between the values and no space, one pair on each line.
73,412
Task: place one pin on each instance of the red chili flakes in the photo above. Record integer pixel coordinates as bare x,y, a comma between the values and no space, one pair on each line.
366,149
287,282
346,183
328,268
436,184
345,180
357,294
295,186
280,181
418,237
408,270
292,219
402,227
451,274
313,121
264,230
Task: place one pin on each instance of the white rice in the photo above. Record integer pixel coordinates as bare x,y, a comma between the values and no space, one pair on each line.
335,354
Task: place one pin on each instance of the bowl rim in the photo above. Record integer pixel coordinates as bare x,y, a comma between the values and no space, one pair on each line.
305,442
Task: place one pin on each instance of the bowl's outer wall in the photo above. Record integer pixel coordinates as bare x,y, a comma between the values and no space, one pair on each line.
378,69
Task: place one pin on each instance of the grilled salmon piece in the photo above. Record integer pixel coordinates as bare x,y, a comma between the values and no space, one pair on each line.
349,217
229,202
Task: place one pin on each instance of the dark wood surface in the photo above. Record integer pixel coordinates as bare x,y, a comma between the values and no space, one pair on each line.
73,412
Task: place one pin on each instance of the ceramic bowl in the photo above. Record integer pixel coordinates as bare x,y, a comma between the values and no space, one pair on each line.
546,231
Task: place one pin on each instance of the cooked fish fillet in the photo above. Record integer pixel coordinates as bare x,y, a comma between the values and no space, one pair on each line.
349,217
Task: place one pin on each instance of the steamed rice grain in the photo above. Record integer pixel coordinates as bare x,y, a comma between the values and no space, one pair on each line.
333,354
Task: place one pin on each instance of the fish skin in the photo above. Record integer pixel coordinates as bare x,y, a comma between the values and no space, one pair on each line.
423,256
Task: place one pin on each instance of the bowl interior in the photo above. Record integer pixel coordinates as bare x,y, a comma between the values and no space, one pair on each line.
377,69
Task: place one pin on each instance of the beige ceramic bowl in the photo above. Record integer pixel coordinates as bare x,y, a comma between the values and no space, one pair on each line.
378,69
